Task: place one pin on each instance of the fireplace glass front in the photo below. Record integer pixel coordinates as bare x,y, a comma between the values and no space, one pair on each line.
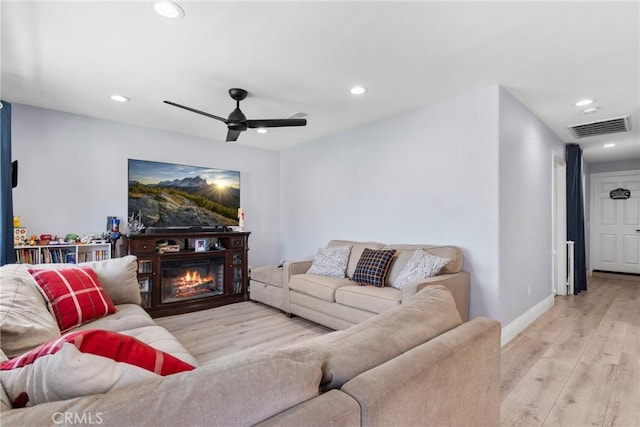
191,278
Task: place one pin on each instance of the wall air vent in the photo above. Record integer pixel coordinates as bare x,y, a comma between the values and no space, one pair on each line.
602,127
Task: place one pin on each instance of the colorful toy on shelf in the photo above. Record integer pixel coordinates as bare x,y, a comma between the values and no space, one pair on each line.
19,236
16,222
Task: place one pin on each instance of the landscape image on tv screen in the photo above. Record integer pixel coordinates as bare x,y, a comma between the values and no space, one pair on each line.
170,195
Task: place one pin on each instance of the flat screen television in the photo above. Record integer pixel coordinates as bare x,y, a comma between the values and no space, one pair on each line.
171,196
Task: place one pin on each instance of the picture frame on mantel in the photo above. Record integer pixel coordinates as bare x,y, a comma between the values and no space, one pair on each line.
200,245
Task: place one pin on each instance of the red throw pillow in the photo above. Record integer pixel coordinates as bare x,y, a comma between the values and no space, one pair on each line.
81,363
75,295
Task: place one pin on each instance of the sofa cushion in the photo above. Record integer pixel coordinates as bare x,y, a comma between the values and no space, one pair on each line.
321,287
128,316
74,294
268,274
421,265
369,298
331,262
25,321
373,266
83,363
385,336
356,252
119,278
452,252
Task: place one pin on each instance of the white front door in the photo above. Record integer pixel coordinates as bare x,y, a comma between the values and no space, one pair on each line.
615,224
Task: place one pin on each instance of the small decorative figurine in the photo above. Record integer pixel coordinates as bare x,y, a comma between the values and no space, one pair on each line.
135,224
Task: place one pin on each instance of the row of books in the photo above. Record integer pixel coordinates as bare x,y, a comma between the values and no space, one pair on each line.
97,255
58,255
27,256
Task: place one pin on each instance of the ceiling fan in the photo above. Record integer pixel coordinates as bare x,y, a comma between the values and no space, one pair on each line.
237,122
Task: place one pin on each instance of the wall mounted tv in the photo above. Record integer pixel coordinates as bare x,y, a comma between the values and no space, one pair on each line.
170,196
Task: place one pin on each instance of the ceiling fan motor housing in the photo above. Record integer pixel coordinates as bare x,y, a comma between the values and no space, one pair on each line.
237,120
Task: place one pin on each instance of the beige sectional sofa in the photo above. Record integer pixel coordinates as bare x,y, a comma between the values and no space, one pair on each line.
414,364
339,303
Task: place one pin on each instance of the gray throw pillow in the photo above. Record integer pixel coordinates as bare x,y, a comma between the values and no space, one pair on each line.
421,265
331,261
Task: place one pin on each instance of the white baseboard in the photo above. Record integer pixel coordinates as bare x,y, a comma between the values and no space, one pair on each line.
514,328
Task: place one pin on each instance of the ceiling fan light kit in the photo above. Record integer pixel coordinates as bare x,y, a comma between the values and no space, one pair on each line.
237,122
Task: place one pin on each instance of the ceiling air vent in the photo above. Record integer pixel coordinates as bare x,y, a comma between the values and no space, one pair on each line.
602,127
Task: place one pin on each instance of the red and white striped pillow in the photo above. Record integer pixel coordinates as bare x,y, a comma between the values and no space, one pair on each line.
75,295
82,363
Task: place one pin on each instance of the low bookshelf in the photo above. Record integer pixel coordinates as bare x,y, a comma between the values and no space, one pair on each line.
66,253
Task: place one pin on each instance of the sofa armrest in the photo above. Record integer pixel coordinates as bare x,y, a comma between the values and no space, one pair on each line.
457,284
456,376
293,267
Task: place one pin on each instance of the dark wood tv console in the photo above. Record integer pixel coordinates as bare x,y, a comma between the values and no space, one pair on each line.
185,271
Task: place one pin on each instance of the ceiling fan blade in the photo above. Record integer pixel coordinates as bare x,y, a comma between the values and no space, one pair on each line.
275,123
232,135
196,111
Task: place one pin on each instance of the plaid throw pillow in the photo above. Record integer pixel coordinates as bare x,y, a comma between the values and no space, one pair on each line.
75,295
373,266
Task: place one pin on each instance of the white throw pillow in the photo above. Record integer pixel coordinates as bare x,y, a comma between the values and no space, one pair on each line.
421,265
331,261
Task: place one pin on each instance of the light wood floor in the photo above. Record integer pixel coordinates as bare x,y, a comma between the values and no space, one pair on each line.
577,365
243,327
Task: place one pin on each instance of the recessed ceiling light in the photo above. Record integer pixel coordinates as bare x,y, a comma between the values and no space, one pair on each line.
168,9
357,90
584,102
609,145
120,98
262,130
590,110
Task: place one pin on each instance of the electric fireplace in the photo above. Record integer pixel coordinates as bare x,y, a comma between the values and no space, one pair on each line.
191,278
188,278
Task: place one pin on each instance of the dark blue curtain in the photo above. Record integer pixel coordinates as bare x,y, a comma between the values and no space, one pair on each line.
575,215
7,254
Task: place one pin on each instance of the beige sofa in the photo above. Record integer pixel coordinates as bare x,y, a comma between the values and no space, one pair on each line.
339,303
432,370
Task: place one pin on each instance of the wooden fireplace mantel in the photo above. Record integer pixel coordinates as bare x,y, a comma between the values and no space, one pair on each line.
231,246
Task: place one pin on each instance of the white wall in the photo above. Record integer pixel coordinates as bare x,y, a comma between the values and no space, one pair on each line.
73,173
526,149
427,176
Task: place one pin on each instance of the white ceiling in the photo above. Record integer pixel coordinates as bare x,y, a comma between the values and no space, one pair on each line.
304,56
